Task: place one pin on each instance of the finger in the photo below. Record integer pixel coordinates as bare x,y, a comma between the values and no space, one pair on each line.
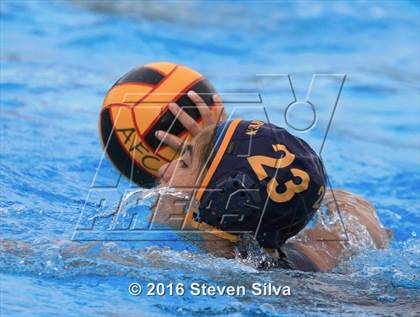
196,98
202,108
221,114
172,140
188,122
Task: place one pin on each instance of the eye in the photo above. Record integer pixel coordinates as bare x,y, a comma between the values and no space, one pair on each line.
183,164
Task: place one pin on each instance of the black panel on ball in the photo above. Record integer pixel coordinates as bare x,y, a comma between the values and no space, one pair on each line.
141,75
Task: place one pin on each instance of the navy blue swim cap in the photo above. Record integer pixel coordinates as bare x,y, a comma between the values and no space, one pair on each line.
263,180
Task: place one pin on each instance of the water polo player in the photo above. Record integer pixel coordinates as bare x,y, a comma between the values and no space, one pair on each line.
274,191
250,179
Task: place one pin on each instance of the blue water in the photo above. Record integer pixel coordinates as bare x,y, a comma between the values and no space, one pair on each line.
58,58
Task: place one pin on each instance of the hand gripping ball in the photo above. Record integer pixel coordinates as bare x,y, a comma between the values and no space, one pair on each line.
136,107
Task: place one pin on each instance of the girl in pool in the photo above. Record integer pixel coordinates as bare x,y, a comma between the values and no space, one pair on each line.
253,182
255,188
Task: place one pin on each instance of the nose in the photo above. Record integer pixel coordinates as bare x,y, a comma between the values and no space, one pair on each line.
164,172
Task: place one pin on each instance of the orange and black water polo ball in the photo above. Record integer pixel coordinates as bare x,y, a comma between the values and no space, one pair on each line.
136,107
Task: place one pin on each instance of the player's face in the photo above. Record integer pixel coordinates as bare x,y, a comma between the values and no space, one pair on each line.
186,172
184,175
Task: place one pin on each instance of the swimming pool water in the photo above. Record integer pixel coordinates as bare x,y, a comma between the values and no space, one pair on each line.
58,58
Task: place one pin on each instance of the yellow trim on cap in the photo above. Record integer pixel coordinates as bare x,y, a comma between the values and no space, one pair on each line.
213,166
189,221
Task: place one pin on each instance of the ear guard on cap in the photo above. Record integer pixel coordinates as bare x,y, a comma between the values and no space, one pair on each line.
236,207
235,204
